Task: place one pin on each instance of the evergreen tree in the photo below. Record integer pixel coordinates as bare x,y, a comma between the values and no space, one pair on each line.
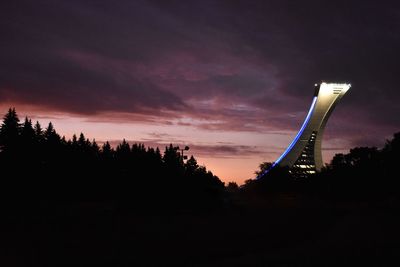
52,138
154,155
45,152
123,148
74,142
27,139
27,132
81,141
64,141
106,148
88,144
95,147
38,132
173,162
172,157
158,153
49,132
191,165
122,154
10,131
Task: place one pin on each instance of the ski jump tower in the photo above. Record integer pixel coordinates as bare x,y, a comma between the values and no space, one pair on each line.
303,156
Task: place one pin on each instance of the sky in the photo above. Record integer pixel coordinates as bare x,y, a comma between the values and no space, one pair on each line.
231,79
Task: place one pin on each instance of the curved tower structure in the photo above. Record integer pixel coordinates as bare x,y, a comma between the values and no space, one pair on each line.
303,156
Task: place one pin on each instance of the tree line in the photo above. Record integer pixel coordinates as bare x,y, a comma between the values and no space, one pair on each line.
364,172
39,163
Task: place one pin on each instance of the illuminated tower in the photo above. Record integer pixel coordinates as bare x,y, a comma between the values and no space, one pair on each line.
303,156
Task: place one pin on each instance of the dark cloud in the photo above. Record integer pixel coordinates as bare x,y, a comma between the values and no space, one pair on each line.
237,65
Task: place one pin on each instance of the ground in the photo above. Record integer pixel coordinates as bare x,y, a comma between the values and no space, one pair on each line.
282,231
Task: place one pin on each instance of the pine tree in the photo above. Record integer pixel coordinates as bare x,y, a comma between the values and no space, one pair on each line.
81,141
38,129
10,131
95,146
106,147
38,132
123,148
74,141
64,141
27,132
27,138
49,131
158,154
106,151
172,155
173,161
51,135
191,165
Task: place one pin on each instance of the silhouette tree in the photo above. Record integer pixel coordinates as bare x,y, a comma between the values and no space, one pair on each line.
338,162
361,156
39,133
82,141
391,151
172,155
28,143
95,149
263,168
123,149
191,165
232,187
27,132
9,132
393,146
69,166
51,135
106,151
390,158
38,129
173,161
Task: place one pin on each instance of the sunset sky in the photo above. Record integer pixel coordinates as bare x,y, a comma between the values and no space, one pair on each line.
231,79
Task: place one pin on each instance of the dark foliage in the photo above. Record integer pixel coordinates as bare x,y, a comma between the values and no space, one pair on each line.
75,203
363,173
40,165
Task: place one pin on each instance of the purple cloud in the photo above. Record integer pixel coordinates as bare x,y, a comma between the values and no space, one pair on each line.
225,65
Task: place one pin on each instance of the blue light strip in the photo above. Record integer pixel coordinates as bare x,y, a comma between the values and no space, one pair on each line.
310,112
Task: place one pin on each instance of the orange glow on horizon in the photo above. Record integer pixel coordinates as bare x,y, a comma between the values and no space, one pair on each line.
232,156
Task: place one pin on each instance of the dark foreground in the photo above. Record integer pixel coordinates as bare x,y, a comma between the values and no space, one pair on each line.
156,209
285,230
